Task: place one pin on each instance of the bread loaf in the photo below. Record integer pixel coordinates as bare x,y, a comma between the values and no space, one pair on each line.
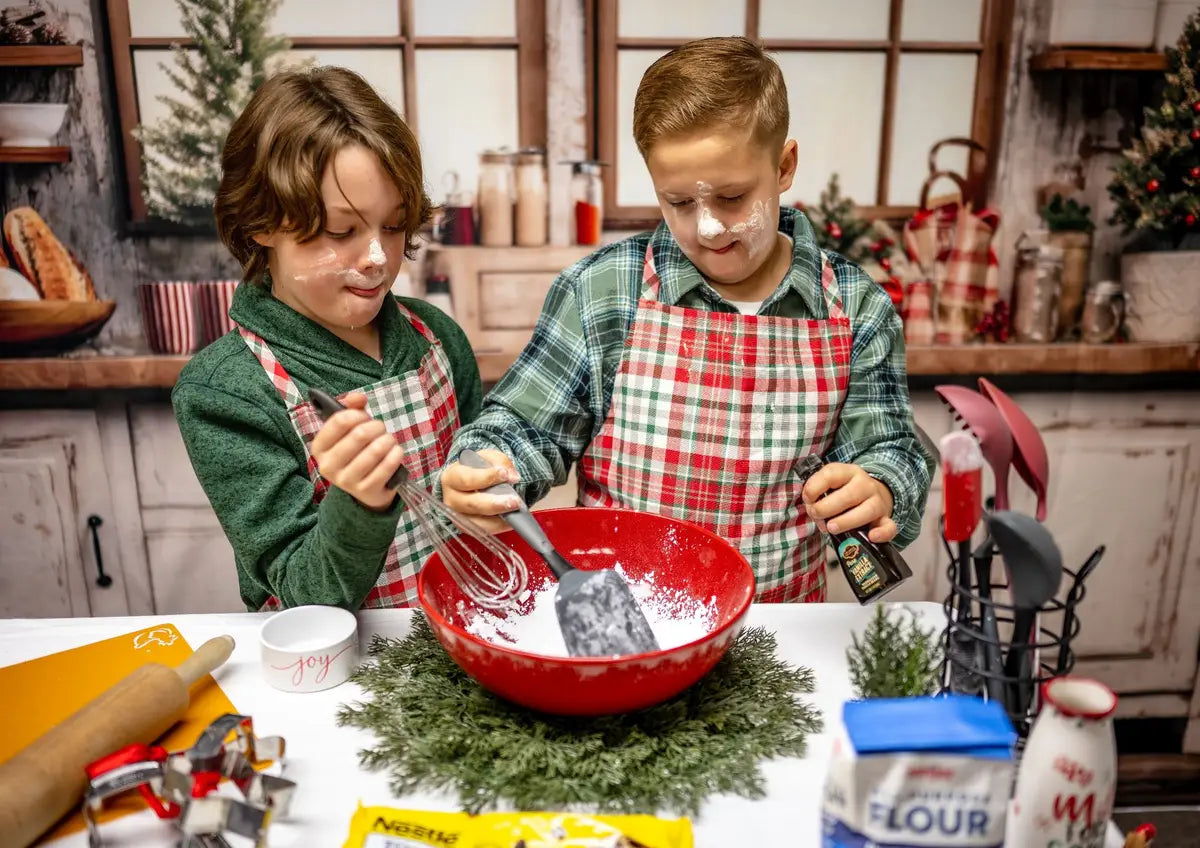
43,259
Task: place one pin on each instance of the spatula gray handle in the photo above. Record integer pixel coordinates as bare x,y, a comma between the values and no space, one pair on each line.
521,519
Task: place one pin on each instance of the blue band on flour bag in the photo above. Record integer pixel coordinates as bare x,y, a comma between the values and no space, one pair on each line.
919,773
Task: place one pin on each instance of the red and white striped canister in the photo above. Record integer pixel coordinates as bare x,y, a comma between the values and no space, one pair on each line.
169,316
214,298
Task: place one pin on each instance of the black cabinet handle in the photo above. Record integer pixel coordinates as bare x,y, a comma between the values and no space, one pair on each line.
102,580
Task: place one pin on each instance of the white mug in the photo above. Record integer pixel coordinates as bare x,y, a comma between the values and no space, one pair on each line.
309,648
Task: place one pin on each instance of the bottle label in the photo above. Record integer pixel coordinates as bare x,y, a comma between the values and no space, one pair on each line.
860,568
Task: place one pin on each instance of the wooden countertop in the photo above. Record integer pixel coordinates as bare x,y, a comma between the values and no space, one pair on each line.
160,372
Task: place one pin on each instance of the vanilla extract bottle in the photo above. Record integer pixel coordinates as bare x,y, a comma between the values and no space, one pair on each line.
872,569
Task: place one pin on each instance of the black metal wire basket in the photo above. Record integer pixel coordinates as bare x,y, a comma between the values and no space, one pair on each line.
979,659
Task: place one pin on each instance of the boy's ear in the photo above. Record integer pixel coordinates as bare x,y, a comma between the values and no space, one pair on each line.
264,239
787,165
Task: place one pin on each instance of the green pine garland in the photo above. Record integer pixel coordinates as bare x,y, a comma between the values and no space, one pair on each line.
215,78
437,729
895,658
1156,185
838,227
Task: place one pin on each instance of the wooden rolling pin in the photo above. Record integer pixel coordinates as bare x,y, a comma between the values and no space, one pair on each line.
46,780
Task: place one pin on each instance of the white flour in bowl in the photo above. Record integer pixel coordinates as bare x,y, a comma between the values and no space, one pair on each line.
675,617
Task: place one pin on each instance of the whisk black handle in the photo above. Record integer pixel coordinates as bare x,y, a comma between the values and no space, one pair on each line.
521,519
326,406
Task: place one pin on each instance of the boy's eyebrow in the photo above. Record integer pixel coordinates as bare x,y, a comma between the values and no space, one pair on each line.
350,210
738,186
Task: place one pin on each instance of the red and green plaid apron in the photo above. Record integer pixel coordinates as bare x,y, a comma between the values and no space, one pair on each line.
709,413
420,410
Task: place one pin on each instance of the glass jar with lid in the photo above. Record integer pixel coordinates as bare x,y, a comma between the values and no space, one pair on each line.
533,201
496,198
587,201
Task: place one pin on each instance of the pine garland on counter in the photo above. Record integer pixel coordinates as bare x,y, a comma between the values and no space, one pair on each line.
437,729
895,658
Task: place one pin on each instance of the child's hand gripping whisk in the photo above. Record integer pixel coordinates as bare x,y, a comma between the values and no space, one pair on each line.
489,573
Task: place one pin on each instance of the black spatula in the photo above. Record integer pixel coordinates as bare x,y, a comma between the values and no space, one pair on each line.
596,610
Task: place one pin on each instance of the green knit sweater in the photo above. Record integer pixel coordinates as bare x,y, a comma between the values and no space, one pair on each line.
252,465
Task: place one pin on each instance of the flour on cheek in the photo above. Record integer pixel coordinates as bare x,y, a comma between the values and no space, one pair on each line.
753,232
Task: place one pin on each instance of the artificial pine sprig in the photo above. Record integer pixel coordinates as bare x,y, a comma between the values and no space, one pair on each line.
895,658
437,729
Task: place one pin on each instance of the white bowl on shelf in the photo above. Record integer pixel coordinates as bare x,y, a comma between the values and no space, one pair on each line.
30,124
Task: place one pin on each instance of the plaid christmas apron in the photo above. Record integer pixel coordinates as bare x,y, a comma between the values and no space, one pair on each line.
420,410
710,411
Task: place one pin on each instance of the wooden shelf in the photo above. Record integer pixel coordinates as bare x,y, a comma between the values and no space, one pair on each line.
988,359
33,155
41,56
161,372
1067,59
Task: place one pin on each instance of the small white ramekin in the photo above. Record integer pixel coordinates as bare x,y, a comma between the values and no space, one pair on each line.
309,648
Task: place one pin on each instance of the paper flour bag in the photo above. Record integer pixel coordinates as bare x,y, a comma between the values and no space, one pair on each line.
919,772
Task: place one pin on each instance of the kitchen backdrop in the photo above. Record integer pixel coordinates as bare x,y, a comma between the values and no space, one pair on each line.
923,125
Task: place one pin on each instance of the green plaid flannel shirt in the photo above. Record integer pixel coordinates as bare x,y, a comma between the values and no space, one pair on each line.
555,398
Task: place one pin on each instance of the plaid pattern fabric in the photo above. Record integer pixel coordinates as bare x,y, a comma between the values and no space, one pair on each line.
419,409
710,412
557,396
918,313
966,277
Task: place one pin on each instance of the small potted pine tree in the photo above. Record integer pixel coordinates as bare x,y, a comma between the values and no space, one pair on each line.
1156,189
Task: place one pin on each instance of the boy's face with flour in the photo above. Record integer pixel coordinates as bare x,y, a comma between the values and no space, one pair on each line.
719,193
340,277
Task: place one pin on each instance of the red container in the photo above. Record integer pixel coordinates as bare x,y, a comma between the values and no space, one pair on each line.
681,556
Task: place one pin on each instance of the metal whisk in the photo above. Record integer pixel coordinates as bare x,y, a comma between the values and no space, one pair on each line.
491,575
494,581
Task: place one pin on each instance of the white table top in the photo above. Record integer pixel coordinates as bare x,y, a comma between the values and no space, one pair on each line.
322,757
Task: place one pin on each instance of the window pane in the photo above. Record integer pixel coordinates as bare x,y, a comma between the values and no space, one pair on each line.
151,82
456,121
382,67
934,98
157,18
836,106
941,20
672,19
820,19
633,182
496,18
300,18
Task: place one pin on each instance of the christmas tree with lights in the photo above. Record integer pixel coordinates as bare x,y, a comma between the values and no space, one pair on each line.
215,77
1156,184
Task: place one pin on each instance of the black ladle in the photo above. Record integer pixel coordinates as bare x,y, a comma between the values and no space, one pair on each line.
1034,565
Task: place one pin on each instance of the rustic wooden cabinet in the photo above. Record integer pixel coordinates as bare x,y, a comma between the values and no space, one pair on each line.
55,492
190,560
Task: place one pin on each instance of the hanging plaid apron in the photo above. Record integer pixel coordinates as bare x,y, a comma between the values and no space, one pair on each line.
710,411
420,410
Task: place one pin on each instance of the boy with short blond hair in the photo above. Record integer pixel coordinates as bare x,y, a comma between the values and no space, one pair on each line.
687,370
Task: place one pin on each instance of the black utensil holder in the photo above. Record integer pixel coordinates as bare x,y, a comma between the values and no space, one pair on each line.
1050,653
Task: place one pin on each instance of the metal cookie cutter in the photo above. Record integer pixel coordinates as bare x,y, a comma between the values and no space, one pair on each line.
182,785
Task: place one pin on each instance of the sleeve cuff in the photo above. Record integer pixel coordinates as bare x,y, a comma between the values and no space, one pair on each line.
907,518
356,527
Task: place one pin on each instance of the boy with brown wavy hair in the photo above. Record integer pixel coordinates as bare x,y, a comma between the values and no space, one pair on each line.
320,199
687,370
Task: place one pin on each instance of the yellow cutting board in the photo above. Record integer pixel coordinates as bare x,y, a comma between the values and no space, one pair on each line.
37,694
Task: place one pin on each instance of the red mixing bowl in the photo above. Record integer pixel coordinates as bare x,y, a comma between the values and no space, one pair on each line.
681,556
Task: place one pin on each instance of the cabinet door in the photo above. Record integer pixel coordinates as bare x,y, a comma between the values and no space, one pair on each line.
191,561
40,565
1124,472
52,479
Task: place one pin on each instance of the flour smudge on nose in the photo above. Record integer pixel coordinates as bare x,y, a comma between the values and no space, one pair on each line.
375,254
708,227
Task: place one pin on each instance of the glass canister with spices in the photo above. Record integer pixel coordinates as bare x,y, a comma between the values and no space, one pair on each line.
587,201
1103,312
496,198
533,201
1036,287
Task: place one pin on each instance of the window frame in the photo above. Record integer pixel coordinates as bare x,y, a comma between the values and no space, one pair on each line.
992,48
529,43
